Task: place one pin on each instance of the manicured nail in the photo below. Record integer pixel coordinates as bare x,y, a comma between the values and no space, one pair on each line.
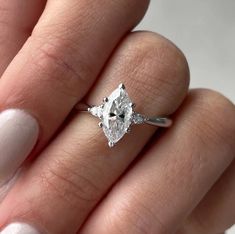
19,228
18,136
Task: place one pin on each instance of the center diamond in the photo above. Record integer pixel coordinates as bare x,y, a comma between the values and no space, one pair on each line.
117,115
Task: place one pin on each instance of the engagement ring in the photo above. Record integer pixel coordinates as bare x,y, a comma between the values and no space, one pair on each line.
117,115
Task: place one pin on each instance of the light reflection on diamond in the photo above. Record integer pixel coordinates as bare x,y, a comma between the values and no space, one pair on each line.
117,115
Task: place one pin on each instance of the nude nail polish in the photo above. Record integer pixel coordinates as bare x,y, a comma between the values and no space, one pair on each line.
19,228
18,136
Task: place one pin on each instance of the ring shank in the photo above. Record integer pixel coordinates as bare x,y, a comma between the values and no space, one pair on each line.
159,121
82,107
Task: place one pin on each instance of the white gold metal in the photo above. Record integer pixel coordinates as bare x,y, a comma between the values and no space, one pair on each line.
100,124
105,99
117,115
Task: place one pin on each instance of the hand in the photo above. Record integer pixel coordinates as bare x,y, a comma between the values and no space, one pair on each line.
176,180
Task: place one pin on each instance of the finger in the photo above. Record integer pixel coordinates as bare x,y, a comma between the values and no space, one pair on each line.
172,177
17,19
55,68
216,212
76,171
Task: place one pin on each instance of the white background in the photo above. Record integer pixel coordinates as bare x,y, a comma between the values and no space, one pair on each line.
205,31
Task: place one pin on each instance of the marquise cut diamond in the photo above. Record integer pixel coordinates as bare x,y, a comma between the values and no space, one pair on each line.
117,115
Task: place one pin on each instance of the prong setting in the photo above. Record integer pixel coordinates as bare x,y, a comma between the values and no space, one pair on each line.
100,124
105,99
128,130
122,86
133,105
111,144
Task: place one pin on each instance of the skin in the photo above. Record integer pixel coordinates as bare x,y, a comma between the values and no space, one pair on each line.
17,21
180,180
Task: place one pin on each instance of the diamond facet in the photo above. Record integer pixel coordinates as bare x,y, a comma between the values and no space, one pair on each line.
117,115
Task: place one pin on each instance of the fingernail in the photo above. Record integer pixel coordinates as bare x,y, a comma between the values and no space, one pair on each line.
19,228
18,135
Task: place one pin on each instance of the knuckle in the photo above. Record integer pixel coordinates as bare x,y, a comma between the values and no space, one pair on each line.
163,65
163,52
215,116
54,59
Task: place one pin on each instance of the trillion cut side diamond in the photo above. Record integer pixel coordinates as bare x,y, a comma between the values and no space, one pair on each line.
96,111
117,115
138,118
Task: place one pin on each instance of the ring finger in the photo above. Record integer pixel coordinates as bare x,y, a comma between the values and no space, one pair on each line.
78,168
